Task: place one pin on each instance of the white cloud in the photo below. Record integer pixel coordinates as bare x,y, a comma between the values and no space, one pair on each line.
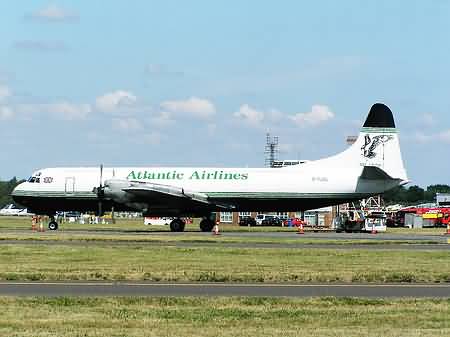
421,137
163,119
62,110
443,136
6,113
249,115
5,92
115,100
53,13
197,107
317,115
68,111
126,124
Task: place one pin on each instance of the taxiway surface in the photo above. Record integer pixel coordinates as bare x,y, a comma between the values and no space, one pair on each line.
221,289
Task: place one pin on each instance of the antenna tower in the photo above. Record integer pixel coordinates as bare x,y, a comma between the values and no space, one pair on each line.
271,150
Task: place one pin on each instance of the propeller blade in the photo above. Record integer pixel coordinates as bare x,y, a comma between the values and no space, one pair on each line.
100,192
101,174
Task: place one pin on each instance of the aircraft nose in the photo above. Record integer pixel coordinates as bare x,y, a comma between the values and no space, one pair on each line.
18,189
19,194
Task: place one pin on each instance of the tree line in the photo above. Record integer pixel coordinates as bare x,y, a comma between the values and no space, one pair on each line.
399,195
6,188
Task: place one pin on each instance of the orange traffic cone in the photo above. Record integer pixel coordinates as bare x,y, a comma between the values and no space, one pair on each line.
300,228
373,231
216,229
33,223
41,225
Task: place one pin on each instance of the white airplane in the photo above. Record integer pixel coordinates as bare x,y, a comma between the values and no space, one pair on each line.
12,209
371,166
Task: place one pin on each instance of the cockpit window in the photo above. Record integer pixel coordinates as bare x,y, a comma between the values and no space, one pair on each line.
34,180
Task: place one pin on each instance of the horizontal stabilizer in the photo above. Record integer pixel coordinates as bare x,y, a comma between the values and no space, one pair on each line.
374,173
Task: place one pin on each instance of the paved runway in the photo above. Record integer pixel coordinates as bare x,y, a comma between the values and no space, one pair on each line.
218,244
221,289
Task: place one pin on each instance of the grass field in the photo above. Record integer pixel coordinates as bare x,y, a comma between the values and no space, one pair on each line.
220,264
118,317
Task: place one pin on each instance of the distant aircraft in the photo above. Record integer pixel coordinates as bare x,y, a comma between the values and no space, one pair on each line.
372,165
12,209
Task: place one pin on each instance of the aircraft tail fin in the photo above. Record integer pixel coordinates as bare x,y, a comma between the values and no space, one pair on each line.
378,146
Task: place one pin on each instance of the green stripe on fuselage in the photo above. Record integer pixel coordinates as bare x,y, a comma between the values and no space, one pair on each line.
56,194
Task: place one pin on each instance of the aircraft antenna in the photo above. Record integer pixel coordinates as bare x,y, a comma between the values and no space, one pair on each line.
271,150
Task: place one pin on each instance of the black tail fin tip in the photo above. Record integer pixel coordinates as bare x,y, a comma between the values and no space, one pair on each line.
380,116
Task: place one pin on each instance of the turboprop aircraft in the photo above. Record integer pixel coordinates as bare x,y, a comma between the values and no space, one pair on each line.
371,166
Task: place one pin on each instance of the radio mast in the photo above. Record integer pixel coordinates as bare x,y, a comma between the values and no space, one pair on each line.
271,150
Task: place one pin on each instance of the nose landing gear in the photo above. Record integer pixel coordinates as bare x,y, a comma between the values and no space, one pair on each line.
52,225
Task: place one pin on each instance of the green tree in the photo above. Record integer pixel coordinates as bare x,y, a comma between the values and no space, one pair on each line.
6,187
430,194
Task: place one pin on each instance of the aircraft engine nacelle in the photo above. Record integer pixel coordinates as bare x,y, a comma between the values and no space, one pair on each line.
114,190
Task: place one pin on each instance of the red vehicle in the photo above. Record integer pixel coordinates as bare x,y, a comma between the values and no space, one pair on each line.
439,215
294,222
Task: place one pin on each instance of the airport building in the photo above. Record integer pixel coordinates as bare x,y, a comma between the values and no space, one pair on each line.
319,217
443,199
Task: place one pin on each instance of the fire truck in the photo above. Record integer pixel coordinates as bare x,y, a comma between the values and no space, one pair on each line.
431,216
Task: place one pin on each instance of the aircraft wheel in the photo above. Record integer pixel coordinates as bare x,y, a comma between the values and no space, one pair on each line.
53,225
177,225
206,225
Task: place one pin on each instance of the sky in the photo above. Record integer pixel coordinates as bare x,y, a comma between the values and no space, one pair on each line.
200,82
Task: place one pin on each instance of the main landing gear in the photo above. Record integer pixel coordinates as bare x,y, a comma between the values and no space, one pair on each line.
52,225
177,225
208,222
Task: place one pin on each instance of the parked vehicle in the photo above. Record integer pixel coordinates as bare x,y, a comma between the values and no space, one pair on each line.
294,222
375,221
271,220
247,221
259,218
165,221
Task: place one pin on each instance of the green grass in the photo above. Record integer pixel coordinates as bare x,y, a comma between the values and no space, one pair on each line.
220,264
204,317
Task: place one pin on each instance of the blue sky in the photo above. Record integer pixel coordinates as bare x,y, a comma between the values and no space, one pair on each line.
201,82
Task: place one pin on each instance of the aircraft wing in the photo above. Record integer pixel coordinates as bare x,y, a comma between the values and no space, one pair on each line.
152,190
169,195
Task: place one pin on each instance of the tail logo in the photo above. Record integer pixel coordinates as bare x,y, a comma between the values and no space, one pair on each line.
370,144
